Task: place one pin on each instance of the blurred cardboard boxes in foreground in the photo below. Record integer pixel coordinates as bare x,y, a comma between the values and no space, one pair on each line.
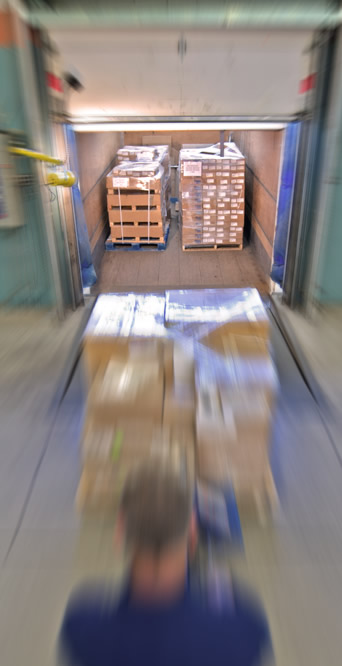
186,375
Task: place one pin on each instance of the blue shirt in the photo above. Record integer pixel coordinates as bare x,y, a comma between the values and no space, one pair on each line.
187,632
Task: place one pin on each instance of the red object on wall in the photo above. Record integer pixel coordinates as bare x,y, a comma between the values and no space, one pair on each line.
307,84
54,82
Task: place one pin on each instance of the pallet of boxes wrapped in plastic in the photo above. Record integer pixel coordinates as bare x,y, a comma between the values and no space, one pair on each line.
236,385
185,375
129,362
145,154
138,192
212,194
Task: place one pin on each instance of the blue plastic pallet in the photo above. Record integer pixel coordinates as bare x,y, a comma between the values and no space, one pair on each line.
136,247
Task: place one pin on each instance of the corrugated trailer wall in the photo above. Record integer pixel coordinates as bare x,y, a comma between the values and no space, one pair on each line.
96,155
263,152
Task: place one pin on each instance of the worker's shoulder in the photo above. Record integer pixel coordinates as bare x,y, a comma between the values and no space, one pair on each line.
235,628
228,611
89,607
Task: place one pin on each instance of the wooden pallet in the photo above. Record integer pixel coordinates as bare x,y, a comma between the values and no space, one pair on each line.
215,246
139,230
136,243
133,200
134,207
134,191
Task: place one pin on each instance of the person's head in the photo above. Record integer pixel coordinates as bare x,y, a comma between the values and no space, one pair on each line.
159,528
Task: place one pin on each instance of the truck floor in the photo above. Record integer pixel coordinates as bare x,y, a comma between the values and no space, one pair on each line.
174,268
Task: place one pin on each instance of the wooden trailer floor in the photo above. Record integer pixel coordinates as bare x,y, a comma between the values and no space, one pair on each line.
174,268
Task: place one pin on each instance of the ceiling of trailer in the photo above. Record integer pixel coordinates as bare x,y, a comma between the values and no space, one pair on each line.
185,57
202,73
186,13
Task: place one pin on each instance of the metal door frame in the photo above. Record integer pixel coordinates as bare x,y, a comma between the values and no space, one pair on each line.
303,224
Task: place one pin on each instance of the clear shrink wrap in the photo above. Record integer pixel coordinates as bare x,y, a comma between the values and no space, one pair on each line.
212,193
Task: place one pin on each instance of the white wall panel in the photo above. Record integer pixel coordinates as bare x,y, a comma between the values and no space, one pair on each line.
221,73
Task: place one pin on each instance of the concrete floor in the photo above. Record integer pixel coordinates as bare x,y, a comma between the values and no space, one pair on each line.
295,563
174,268
316,341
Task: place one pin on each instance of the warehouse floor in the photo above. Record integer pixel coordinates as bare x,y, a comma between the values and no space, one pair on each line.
295,563
175,268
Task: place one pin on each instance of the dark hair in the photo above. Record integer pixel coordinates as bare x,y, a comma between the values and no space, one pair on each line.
156,505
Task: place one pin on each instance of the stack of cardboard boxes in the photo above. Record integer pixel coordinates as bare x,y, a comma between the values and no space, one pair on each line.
138,193
129,360
186,375
212,189
145,154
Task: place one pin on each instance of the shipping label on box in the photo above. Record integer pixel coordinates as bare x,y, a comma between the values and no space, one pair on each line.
120,182
192,168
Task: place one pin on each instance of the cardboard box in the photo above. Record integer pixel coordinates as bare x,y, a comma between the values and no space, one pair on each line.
99,350
101,484
120,443
222,467
128,390
124,326
218,311
181,438
179,399
230,447
239,326
100,489
179,406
